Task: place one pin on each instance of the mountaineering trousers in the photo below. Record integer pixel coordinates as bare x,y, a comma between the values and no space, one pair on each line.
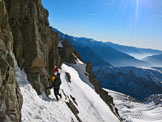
56,92
56,86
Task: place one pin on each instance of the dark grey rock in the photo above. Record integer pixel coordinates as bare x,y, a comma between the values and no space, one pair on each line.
10,96
35,44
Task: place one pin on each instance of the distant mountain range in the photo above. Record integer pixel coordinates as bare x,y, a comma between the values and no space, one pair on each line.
136,82
134,51
158,68
155,60
106,53
88,55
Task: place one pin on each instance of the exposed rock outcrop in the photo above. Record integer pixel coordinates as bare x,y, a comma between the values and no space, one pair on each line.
73,109
10,96
35,44
68,53
103,94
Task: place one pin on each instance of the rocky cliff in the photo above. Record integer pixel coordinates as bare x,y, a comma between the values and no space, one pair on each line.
99,90
25,34
35,44
67,52
10,96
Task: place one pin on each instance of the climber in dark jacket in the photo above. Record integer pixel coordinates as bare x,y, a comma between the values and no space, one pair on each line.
56,85
56,82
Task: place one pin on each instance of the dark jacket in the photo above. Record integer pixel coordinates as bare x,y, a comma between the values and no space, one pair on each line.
57,82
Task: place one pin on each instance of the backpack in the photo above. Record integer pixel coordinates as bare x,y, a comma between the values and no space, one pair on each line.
57,81
53,78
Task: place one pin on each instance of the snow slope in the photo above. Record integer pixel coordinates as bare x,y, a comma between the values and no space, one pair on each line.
46,109
133,111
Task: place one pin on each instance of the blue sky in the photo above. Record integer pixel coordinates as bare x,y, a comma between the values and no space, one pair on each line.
127,22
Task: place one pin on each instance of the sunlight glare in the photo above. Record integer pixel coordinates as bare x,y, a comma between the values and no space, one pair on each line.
137,8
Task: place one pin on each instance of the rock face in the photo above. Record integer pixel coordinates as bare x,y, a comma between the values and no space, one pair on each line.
67,52
10,96
24,30
35,44
156,98
103,94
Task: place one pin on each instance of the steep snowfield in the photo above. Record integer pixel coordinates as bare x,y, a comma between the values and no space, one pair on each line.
133,111
46,109
41,108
